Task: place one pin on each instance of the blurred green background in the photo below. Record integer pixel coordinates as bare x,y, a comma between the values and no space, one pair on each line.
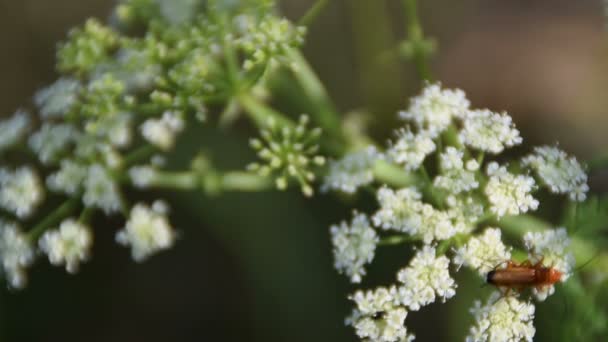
258,267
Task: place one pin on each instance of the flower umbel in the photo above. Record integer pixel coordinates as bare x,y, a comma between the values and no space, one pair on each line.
354,246
69,245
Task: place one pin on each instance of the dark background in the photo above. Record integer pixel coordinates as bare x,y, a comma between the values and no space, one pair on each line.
259,266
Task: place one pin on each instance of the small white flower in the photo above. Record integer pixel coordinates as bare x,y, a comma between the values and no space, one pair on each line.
404,211
51,141
378,316
14,129
426,278
484,252
58,98
553,247
100,190
16,253
559,172
488,131
68,179
142,176
20,191
465,210
354,246
147,232
69,245
116,128
509,194
352,171
502,319
162,132
434,108
411,149
456,176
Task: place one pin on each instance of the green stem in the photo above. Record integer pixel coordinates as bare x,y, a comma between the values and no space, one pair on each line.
260,113
416,39
395,240
326,114
53,218
139,155
245,181
313,13
393,175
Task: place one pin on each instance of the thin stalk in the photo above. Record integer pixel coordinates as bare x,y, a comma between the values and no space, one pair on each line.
393,175
139,155
260,113
53,218
313,12
416,38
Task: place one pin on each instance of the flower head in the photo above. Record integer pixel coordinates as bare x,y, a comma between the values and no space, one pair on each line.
354,246
484,252
487,131
69,178
411,149
425,278
59,98
100,190
69,245
553,247
432,111
290,152
147,232
560,173
12,130
507,193
16,253
51,141
456,176
162,132
502,319
20,191
352,171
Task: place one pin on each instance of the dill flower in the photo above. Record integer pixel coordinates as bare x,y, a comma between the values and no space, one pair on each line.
147,231
12,130
20,191
487,131
411,149
352,171
553,247
502,319
51,141
16,253
507,193
288,152
68,179
354,246
100,190
483,252
59,98
424,279
432,111
560,173
69,245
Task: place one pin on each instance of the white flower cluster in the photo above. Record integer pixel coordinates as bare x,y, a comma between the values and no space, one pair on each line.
68,179
404,211
12,130
352,171
424,279
484,252
502,319
552,246
433,110
51,141
58,98
487,131
147,231
16,254
354,246
378,317
69,245
507,193
411,149
100,190
162,132
456,176
560,173
20,191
